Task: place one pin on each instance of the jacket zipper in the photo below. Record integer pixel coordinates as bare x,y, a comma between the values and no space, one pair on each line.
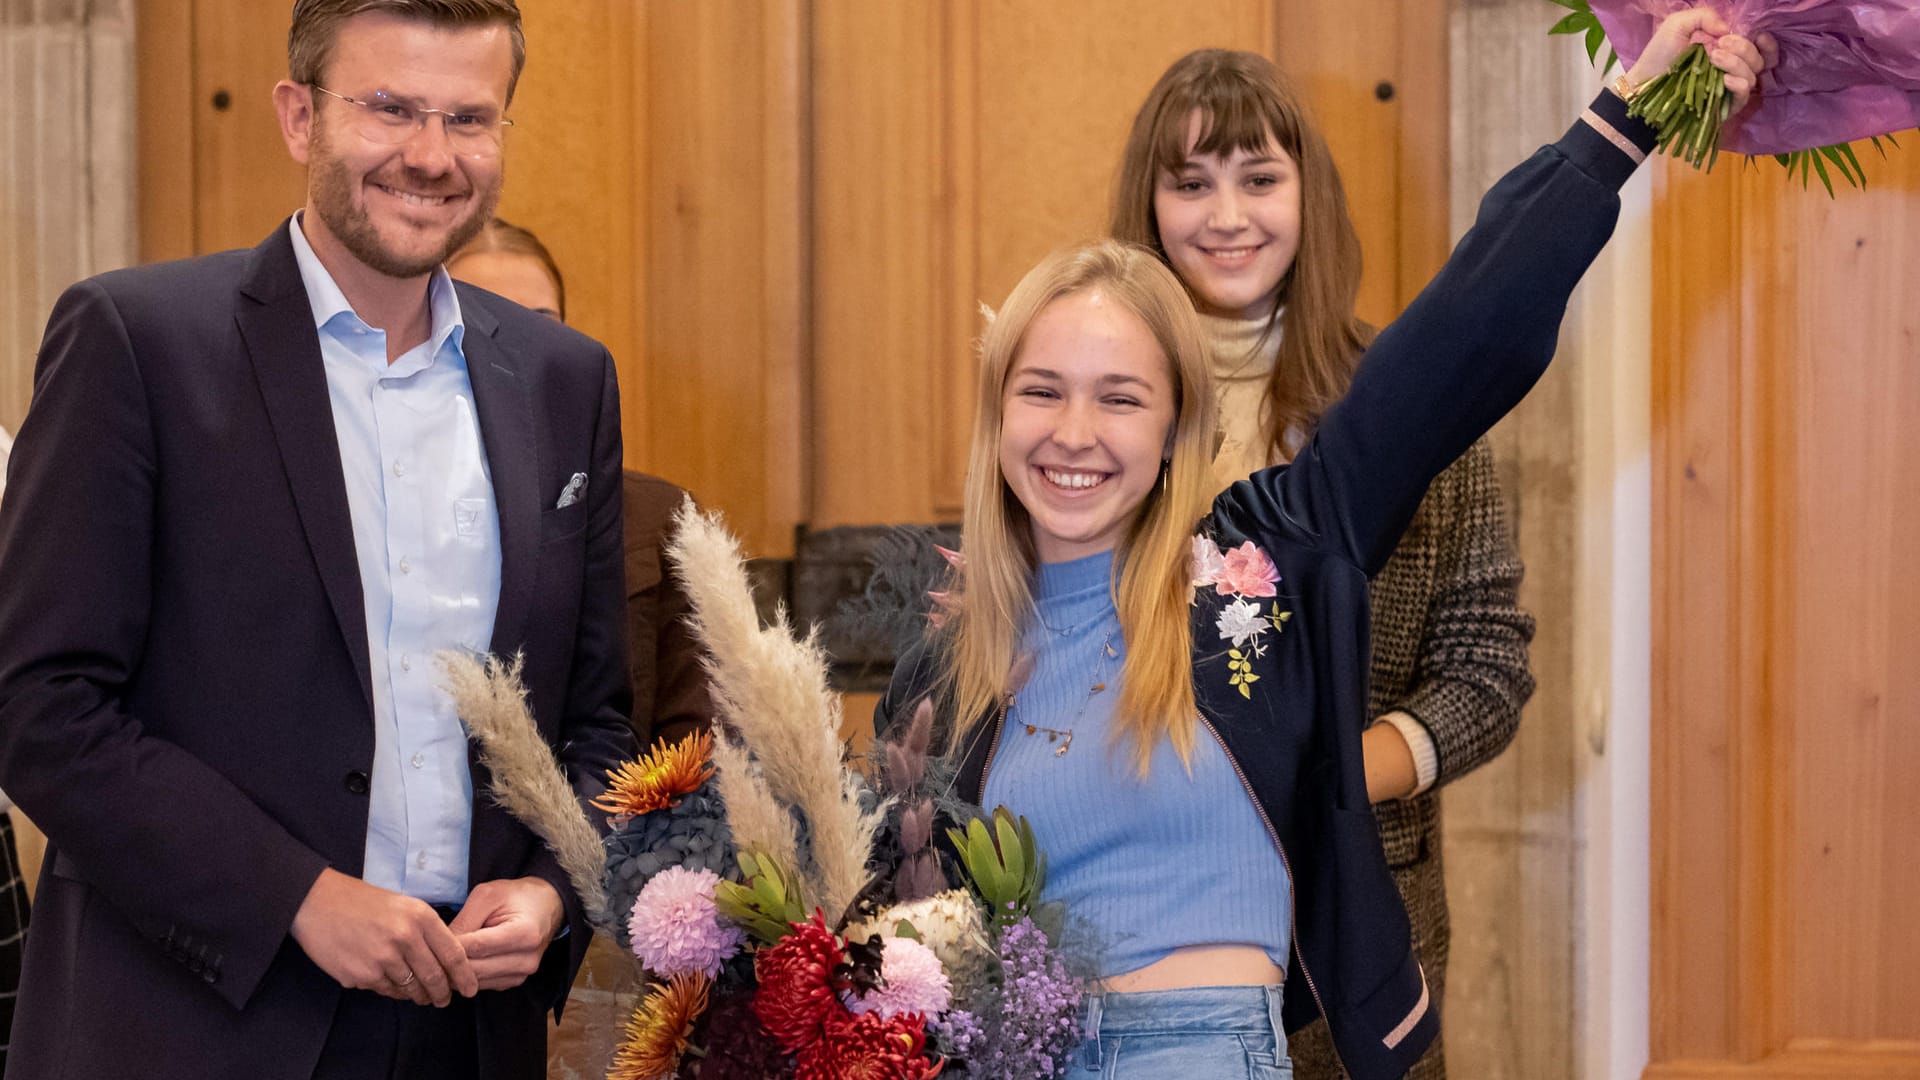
1293,929
999,721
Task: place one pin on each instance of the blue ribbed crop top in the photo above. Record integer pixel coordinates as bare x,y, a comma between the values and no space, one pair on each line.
1144,866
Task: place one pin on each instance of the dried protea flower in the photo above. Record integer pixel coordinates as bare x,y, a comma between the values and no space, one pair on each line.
660,778
950,924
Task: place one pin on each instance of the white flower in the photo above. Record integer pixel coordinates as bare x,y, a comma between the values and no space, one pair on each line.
1208,563
1241,620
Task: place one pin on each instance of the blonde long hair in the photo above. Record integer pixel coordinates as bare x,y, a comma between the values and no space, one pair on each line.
1153,563
1244,101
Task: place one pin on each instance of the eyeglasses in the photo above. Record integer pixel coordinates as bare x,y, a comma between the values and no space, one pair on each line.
391,121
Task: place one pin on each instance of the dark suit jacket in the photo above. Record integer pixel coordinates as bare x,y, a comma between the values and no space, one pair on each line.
185,703
670,696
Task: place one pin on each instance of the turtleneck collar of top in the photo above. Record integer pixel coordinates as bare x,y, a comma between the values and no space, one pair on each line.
1243,350
1073,592
1242,354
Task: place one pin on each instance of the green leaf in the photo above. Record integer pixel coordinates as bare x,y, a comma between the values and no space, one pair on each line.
1613,58
905,929
1013,859
1575,23
1596,37
1820,167
1842,157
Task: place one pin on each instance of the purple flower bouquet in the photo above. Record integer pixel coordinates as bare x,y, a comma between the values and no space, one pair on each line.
1847,70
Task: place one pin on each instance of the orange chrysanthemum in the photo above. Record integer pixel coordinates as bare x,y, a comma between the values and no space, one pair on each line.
660,778
659,1029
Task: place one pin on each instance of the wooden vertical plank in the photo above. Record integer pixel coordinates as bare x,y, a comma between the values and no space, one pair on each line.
166,198
720,256
787,328
1422,158
244,182
1338,55
1695,665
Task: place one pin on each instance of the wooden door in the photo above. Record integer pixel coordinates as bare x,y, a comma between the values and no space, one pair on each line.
1786,815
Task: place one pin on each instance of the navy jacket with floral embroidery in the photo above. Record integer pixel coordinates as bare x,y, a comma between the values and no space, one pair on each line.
1288,703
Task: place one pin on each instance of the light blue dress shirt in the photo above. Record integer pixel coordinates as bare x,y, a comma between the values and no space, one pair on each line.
427,537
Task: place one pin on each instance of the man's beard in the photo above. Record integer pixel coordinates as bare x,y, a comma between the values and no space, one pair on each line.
334,186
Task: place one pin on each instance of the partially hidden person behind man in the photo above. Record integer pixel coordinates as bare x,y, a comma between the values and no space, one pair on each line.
671,698
255,495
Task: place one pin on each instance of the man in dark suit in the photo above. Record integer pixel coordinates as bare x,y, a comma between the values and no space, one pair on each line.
255,494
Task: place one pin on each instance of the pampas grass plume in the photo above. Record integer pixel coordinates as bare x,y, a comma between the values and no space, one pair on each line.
527,781
771,691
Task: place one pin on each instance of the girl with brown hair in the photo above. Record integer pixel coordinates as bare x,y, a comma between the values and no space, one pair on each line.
1170,684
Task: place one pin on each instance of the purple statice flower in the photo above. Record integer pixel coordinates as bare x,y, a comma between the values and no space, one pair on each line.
965,1036
676,927
1029,1029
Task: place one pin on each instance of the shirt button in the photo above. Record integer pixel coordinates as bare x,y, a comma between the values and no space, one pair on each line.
420,860
419,761
405,566
399,468
406,661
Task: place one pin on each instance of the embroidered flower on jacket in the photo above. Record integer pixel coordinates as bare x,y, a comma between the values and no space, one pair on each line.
1208,564
1241,621
1246,571
1243,573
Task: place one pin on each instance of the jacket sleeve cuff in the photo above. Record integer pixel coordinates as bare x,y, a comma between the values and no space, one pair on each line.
1426,758
1606,143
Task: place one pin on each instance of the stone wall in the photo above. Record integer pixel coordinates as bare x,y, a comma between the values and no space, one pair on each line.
67,173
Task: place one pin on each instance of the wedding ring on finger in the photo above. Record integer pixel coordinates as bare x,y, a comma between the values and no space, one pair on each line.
406,982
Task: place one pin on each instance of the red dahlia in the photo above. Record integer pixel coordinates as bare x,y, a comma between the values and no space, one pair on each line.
865,1047
798,990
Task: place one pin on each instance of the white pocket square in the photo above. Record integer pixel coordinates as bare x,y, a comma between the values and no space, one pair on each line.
572,492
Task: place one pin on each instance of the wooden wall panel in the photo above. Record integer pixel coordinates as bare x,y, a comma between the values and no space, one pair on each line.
725,341
244,182
1375,75
1785,813
163,31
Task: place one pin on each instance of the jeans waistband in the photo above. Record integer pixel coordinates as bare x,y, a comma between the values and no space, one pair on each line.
1198,1009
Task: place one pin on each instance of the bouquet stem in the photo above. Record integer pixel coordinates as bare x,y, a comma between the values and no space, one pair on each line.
1686,103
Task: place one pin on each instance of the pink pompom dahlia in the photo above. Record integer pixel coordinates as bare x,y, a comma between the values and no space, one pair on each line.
676,927
913,982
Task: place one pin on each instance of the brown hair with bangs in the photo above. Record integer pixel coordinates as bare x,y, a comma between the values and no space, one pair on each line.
1246,104
316,23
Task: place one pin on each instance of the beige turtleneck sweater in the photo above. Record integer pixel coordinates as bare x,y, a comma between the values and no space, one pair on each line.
1242,362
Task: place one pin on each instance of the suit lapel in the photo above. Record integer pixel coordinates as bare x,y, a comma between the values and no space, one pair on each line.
276,323
504,401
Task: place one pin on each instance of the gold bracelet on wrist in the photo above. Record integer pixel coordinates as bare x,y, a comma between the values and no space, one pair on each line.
1625,90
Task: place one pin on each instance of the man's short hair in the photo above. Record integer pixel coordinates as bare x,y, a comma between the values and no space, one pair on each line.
316,23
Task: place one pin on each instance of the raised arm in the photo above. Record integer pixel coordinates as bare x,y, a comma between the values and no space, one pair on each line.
1479,335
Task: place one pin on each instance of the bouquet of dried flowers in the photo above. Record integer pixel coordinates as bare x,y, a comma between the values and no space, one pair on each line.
793,918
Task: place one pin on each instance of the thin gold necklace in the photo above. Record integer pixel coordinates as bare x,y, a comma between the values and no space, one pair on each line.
1064,736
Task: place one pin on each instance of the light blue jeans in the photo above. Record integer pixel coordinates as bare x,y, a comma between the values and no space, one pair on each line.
1204,1033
